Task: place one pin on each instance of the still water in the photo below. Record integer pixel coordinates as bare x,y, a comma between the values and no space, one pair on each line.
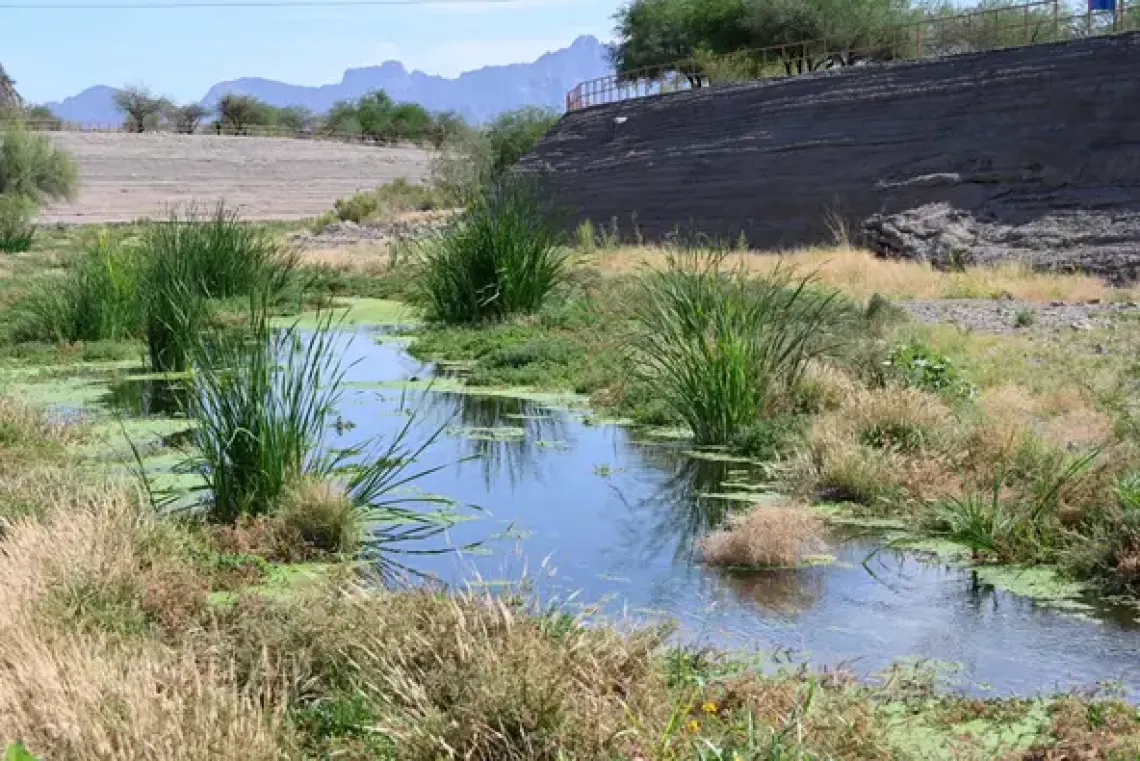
591,516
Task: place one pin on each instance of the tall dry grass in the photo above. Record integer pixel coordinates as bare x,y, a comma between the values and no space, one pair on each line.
766,536
860,274
72,688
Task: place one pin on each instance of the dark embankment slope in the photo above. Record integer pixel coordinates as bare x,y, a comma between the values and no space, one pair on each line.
1030,153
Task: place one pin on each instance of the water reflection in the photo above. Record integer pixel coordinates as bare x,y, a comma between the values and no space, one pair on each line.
781,591
147,397
682,508
505,435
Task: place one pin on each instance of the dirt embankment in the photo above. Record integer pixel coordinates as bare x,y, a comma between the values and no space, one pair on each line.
129,176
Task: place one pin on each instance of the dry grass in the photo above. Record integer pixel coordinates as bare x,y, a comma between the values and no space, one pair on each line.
767,536
860,274
321,516
23,426
358,258
75,687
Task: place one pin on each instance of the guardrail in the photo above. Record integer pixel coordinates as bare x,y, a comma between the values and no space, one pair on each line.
934,36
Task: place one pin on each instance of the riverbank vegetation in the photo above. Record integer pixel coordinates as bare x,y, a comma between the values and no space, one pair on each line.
267,620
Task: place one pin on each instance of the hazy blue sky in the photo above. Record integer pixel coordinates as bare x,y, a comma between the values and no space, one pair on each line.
182,52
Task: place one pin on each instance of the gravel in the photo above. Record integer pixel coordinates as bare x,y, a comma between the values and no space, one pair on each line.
1000,316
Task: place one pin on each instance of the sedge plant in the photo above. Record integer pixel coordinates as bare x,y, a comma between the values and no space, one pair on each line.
261,400
501,257
719,346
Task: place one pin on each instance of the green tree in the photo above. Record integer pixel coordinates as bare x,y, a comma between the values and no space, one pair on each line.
238,113
140,107
343,118
295,119
42,118
662,33
186,119
447,127
683,35
374,113
513,134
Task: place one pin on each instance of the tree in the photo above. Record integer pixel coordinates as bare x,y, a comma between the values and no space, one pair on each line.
42,118
140,107
514,134
237,113
343,118
663,33
186,119
684,35
447,127
296,119
374,113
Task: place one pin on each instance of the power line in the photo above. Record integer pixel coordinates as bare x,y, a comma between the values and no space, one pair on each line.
216,4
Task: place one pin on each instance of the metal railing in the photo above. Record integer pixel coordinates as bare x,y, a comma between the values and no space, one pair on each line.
933,36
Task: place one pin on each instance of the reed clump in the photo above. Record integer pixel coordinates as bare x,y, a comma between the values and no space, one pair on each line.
765,536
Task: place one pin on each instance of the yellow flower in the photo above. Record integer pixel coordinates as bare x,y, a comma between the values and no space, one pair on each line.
694,726
737,757
709,707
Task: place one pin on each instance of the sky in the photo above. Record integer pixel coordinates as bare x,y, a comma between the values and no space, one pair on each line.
182,52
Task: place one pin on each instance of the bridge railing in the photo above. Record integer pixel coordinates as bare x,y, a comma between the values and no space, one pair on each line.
932,36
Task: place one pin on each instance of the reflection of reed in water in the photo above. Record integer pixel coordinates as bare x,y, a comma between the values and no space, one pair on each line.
514,454
680,512
779,591
148,396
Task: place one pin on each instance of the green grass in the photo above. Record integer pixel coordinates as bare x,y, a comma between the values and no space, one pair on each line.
16,228
719,347
500,258
96,298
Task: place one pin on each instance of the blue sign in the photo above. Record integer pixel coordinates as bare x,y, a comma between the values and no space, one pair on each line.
1102,5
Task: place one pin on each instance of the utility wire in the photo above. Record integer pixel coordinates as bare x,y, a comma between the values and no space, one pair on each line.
216,4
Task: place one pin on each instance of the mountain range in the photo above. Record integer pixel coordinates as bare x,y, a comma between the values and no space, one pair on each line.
478,95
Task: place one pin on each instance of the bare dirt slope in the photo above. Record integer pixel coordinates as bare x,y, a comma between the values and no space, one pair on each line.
129,176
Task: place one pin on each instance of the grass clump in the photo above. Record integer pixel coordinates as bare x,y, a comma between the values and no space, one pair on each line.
1024,317
31,166
721,347
766,536
96,298
500,257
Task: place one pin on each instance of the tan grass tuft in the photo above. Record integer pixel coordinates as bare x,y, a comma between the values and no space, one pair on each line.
23,425
769,535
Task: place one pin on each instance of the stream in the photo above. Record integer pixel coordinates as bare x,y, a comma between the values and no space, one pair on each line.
595,519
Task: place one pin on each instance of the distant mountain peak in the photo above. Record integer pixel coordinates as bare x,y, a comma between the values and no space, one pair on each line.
478,95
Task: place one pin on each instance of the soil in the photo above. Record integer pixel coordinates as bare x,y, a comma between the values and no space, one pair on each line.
124,176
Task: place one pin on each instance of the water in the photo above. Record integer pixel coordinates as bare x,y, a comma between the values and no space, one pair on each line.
591,516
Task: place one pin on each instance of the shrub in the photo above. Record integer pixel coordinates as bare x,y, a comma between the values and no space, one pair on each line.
500,257
16,228
1025,317
30,165
388,200
770,535
720,348
916,365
